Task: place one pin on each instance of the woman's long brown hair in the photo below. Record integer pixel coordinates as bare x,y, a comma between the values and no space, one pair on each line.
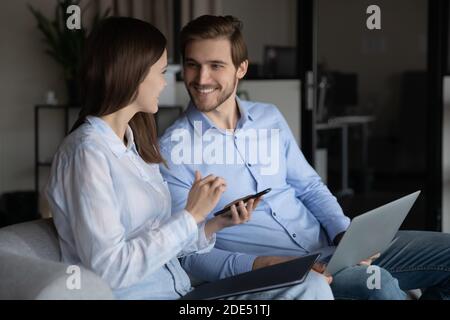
117,58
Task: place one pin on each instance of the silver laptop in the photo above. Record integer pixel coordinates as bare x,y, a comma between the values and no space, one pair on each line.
370,233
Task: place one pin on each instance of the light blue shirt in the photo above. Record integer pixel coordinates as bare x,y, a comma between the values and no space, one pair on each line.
113,214
297,217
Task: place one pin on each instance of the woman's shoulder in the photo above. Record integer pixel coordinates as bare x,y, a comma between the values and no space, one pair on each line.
83,139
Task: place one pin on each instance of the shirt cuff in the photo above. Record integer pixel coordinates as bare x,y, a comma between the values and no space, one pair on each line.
243,263
204,244
337,227
190,221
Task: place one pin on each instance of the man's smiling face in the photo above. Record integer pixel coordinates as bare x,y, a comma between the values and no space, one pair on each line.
209,73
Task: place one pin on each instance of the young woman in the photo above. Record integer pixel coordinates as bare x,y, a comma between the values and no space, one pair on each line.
110,204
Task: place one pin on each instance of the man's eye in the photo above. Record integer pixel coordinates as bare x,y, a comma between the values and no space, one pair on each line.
216,66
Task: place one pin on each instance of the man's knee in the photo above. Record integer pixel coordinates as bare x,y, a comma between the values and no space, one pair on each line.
366,283
381,285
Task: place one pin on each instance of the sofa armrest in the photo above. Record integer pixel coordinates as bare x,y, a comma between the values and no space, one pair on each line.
29,278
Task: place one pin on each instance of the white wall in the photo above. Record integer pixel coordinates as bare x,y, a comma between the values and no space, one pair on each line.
26,74
446,158
285,94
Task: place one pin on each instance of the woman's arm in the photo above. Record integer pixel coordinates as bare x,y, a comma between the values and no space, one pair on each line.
84,188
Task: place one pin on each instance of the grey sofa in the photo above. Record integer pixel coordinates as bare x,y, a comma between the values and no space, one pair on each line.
31,267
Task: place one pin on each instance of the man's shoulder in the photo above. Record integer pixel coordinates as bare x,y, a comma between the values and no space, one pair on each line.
261,110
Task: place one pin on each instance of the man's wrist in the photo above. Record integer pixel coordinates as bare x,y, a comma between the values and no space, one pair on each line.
338,238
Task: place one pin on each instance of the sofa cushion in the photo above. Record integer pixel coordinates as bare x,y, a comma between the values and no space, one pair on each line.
31,239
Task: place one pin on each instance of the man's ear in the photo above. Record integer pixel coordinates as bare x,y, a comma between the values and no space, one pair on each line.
242,70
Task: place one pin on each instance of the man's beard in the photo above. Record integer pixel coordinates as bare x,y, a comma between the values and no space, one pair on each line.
224,96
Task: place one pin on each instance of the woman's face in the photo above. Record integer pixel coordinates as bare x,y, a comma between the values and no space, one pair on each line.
151,87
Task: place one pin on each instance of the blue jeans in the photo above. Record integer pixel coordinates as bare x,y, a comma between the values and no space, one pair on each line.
417,260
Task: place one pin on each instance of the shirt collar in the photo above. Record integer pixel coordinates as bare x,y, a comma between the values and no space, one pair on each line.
114,142
194,115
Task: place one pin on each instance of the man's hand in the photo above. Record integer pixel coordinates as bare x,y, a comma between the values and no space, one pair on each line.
266,261
368,261
320,267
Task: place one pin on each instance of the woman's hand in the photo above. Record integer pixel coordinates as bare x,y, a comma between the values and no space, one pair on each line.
204,195
239,214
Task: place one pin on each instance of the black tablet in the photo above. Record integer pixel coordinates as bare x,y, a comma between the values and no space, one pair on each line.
276,276
252,196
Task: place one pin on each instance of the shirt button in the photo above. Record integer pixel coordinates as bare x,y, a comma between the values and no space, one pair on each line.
274,214
249,164
294,235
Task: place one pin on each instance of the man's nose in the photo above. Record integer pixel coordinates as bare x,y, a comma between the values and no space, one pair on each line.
203,75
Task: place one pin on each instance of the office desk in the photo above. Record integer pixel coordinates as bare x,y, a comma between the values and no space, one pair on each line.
343,123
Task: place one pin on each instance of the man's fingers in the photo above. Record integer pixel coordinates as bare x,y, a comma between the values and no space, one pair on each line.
375,256
319,267
366,262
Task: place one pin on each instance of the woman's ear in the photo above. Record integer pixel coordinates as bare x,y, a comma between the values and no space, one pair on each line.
242,70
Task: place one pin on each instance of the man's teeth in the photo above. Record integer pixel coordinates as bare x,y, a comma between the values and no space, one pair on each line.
205,90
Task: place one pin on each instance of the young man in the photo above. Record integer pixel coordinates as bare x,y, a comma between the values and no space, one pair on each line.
252,147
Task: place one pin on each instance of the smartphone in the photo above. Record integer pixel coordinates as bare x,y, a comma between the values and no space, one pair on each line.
252,196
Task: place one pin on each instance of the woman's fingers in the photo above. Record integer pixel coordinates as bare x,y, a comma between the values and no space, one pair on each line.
234,215
217,182
234,202
243,212
198,176
257,201
206,180
250,206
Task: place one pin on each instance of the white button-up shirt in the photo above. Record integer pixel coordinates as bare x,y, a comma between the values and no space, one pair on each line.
113,214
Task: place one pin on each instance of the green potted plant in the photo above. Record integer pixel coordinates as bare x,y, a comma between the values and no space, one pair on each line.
65,46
